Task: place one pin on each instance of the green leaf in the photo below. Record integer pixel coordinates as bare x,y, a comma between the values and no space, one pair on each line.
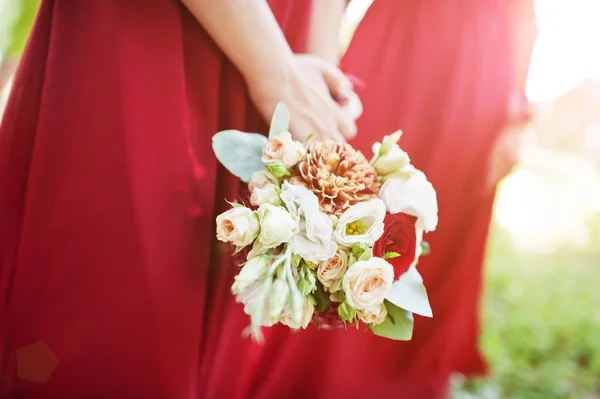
408,292
322,297
278,170
281,120
235,204
307,139
425,248
346,312
359,248
391,255
397,325
368,254
351,260
239,152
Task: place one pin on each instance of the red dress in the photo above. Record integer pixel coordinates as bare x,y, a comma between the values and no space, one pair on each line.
110,286
439,70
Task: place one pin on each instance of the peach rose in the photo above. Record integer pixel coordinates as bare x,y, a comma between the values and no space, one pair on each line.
366,283
307,313
331,271
283,149
239,225
374,316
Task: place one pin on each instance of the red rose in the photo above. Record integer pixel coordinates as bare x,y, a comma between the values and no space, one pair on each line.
399,236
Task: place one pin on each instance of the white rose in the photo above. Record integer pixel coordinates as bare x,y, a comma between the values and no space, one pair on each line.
276,226
260,179
283,149
366,283
392,161
331,271
307,314
374,316
251,271
265,195
239,226
361,223
414,196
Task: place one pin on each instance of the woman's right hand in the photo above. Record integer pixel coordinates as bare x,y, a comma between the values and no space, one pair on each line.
307,92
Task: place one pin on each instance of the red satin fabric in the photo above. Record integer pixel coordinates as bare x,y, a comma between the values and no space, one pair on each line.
110,286
439,70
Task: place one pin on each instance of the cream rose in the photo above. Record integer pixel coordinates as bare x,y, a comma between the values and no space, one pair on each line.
331,271
361,223
239,225
260,179
265,195
277,226
283,149
366,283
374,316
308,310
414,196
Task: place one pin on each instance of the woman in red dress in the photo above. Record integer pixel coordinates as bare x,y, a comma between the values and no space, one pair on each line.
442,71
110,286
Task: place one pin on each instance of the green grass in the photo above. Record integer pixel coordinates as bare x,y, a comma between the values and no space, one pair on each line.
541,322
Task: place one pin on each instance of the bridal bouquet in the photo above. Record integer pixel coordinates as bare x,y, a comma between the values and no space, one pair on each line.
327,237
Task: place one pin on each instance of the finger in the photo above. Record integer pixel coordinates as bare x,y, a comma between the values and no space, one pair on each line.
346,124
337,82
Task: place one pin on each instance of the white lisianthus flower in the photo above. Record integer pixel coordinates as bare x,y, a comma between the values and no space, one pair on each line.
367,283
283,149
254,269
374,316
265,195
260,179
277,226
393,160
331,271
307,313
361,223
239,226
414,196
298,199
255,303
314,241
278,298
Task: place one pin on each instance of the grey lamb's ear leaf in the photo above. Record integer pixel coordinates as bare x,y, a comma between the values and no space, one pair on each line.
240,152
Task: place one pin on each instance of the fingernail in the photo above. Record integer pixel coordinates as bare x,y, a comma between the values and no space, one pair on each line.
342,99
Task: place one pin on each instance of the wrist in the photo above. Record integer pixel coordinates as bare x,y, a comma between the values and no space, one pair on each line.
270,76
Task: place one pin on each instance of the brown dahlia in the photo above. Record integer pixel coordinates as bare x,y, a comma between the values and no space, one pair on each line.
339,175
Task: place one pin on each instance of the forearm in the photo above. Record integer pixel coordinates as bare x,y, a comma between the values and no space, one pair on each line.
324,33
248,34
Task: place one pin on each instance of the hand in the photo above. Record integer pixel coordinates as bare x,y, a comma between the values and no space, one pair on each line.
504,155
308,93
